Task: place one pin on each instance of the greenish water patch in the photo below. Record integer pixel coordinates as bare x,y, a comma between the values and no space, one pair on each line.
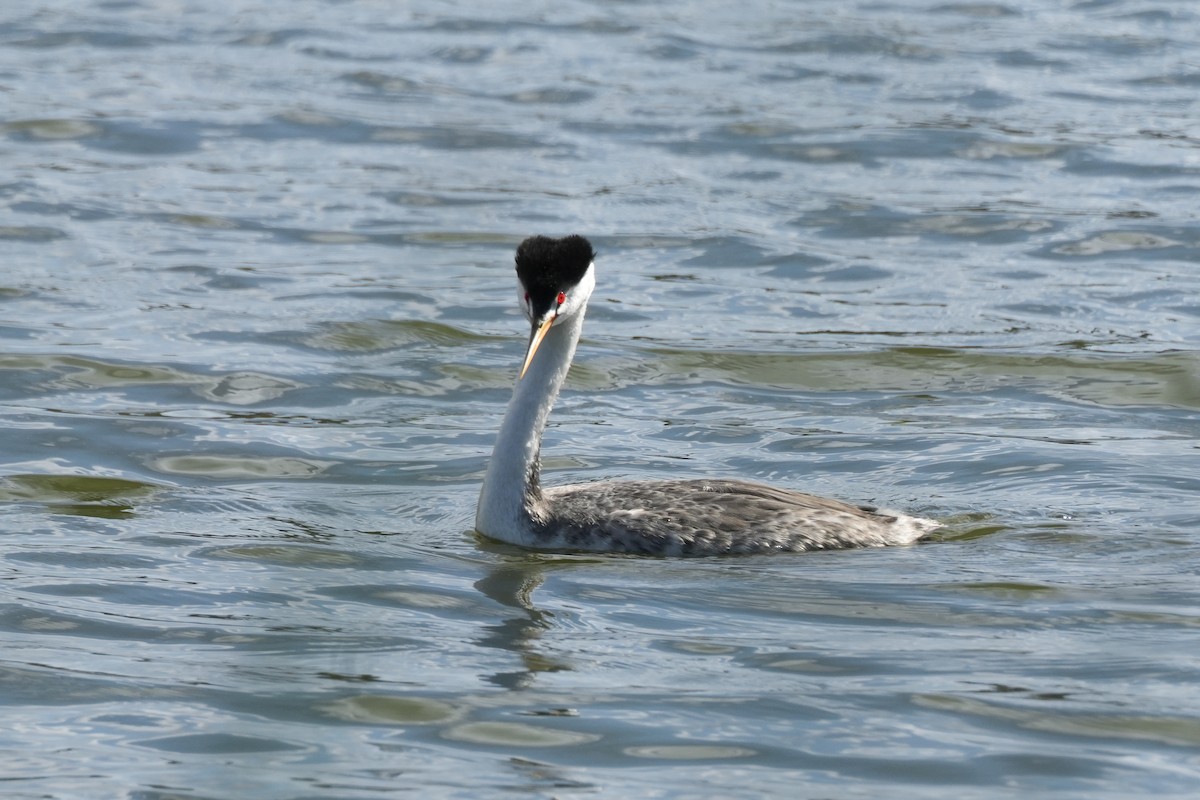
516,734
1010,589
376,709
1167,379
241,467
1164,729
207,221
372,335
82,495
689,752
217,743
75,372
290,555
51,130
30,233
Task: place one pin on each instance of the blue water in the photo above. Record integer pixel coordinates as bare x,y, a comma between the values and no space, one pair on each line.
258,327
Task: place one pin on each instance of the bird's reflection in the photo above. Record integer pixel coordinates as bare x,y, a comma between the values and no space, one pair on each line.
512,584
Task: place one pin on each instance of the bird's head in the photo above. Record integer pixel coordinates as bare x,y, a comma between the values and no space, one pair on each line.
555,278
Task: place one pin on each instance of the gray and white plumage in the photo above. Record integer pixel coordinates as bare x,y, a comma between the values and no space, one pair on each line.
666,518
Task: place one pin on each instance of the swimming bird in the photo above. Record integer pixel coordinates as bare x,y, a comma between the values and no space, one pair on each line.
694,517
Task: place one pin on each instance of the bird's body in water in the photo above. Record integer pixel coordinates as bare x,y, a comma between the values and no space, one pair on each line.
651,517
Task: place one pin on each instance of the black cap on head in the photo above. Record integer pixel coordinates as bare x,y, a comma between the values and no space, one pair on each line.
548,266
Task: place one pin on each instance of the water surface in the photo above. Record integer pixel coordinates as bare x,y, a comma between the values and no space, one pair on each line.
257,329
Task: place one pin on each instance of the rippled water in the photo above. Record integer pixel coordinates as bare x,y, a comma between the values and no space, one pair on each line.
257,328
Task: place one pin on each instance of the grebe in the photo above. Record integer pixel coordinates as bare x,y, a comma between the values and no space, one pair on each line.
648,517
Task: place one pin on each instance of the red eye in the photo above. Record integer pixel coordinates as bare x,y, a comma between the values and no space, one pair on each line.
562,298
527,297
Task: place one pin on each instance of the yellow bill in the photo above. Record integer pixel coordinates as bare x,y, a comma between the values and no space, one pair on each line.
534,342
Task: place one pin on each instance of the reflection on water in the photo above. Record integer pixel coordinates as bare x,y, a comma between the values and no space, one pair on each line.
257,332
512,585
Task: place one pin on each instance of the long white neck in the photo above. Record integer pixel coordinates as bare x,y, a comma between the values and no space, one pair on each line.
510,487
